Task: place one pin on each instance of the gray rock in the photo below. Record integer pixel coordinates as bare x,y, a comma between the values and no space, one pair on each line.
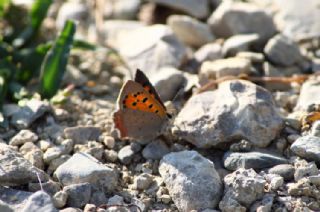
284,170
4,207
27,114
254,160
307,147
81,168
113,30
39,201
55,163
237,109
182,25
191,179
124,9
33,154
264,205
78,194
242,188
308,95
297,23
282,51
116,200
98,197
60,199
111,155
16,170
71,11
254,57
210,51
196,8
239,43
70,209
167,81
155,150
15,198
82,134
224,67
232,18
50,187
75,76
142,182
150,48
304,169
126,154
22,137
315,129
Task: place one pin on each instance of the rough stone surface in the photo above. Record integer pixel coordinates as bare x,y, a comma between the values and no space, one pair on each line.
150,48
27,114
239,43
39,201
231,18
284,170
19,200
16,170
82,134
191,179
237,109
196,8
242,188
280,50
155,150
307,147
22,137
4,207
224,67
254,160
308,95
182,25
210,51
82,168
78,194
297,23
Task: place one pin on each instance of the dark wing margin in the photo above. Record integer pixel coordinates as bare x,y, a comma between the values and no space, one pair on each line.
142,79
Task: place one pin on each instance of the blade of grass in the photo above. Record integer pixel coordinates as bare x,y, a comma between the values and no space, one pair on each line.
38,12
54,64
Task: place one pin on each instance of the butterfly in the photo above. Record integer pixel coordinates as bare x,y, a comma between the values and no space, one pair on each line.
141,114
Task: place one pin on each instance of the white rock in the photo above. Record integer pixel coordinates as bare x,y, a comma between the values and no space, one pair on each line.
22,137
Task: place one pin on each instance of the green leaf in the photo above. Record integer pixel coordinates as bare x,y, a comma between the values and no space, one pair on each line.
82,44
38,12
3,6
55,62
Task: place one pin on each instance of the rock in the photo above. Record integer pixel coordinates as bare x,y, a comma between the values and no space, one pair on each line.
142,182
254,57
282,51
263,205
78,194
114,29
315,129
82,168
210,51
98,197
55,163
75,76
239,43
60,199
307,147
116,200
126,154
275,181
109,142
284,170
125,9
22,137
53,153
296,23
15,170
82,134
232,18
50,187
27,114
167,81
242,188
33,154
196,8
19,200
304,169
70,209
308,95
254,160
188,174
39,201
150,48
155,150
71,11
182,25
111,155
4,207
304,188
224,67
92,148
214,117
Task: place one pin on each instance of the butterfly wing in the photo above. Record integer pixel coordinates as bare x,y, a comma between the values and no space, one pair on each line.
142,79
139,114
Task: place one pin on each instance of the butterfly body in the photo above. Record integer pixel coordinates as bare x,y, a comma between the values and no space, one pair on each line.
141,113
